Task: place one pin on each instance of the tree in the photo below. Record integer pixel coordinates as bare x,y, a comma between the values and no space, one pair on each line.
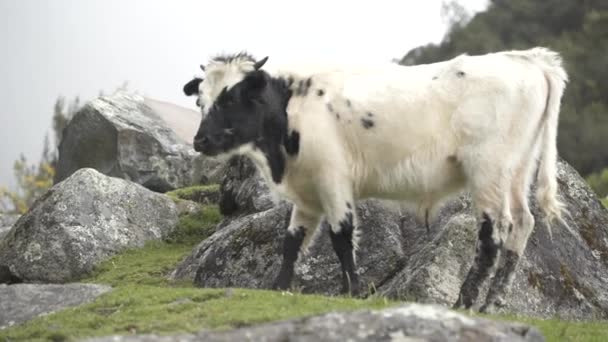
61,118
32,181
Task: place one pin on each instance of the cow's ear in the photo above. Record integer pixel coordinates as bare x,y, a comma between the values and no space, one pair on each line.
254,82
191,88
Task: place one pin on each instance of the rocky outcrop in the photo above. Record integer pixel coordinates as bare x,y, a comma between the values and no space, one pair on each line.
6,223
80,222
242,189
412,322
246,253
23,302
121,136
566,276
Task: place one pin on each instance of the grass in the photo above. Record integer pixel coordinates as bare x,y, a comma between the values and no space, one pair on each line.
560,330
195,193
605,202
144,301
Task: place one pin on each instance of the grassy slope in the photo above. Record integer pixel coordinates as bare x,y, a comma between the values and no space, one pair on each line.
144,301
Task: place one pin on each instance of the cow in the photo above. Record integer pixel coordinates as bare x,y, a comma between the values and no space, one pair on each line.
325,136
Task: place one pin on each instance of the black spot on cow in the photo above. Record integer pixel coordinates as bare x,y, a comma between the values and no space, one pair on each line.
460,74
338,116
435,77
303,87
367,123
292,143
290,81
330,108
320,92
370,114
299,91
348,103
348,205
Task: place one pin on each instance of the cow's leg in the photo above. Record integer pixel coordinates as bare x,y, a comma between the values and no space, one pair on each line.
301,227
341,215
490,196
523,224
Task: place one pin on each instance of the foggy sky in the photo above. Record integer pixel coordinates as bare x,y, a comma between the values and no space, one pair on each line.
79,47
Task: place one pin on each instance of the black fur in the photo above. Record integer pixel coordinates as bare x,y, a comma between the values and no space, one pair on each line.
460,74
367,123
252,111
291,248
303,87
484,260
290,81
498,288
342,243
370,114
320,92
292,143
191,88
243,55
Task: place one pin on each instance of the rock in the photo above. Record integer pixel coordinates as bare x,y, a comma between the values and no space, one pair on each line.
23,302
246,253
412,322
80,222
242,189
6,223
566,277
121,136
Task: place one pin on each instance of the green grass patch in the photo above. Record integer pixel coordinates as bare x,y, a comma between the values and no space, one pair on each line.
194,193
195,227
605,202
144,301
561,330
152,309
150,265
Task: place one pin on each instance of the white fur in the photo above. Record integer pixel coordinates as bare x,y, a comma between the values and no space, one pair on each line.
473,122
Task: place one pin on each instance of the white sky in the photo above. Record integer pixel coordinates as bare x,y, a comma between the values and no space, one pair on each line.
79,47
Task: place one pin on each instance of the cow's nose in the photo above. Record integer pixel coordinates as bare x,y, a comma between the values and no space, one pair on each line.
200,143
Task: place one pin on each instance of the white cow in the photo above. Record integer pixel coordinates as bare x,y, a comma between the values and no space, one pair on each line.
324,137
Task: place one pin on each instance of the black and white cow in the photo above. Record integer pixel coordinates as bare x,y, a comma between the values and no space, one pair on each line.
323,137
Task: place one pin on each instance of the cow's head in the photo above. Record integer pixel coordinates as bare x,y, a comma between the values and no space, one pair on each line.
223,71
240,107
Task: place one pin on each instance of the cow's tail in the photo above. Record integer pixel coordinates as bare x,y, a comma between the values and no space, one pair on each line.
551,64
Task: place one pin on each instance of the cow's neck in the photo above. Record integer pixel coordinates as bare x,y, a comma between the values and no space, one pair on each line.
269,153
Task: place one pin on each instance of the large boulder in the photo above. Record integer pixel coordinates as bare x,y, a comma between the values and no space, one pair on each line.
23,302
246,253
566,276
122,136
80,222
6,222
242,189
412,322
